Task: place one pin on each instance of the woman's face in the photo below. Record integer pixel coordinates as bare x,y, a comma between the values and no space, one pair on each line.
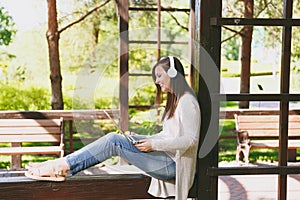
162,79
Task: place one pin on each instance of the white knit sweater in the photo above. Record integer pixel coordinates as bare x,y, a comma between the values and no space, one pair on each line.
179,137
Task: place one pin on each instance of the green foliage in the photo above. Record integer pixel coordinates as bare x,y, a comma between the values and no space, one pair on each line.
105,102
145,122
12,97
20,74
144,96
295,43
7,30
231,49
80,43
145,128
5,59
140,59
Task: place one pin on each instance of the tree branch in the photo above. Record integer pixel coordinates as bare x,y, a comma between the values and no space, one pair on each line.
83,17
234,11
177,22
236,33
265,7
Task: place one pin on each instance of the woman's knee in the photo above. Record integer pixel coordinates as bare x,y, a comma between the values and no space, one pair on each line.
113,137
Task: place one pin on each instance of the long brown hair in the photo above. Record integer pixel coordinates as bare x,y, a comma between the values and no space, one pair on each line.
178,85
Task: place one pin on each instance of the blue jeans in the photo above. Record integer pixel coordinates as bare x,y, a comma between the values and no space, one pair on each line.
157,164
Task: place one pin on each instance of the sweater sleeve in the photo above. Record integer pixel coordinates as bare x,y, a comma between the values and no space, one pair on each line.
189,123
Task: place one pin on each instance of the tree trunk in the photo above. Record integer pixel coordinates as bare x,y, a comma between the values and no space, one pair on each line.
53,47
246,53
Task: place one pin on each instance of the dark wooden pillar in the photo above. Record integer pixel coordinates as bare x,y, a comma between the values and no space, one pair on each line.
123,63
207,85
284,103
191,41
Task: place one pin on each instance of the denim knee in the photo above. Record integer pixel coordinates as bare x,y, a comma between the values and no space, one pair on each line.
113,137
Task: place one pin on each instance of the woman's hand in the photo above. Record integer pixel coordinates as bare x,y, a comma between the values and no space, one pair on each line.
144,145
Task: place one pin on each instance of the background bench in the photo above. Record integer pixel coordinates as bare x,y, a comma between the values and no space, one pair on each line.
17,131
262,131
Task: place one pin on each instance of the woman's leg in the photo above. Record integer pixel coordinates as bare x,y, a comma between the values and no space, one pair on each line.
157,164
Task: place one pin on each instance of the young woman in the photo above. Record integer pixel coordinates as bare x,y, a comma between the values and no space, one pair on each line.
169,157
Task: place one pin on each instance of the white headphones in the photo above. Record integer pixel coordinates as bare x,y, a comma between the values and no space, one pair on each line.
172,72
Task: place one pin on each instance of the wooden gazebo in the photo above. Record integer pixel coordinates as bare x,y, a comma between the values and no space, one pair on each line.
206,25
205,30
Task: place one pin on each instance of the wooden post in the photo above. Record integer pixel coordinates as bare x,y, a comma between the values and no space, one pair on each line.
191,42
284,104
158,28
209,38
16,160
71,145
123,63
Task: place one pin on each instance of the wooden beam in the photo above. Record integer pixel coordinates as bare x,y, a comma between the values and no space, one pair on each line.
226,171
155,42
214,21
98,114
66,114
162,9
257,97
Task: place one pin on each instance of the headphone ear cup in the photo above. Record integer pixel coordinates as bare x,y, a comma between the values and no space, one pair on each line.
172,72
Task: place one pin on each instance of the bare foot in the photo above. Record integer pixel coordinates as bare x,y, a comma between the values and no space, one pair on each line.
52,170
36,164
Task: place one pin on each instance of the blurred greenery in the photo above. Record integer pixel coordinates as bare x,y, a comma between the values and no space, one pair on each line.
14,97
7,27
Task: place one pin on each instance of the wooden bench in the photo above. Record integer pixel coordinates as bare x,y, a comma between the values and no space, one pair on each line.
262,131
18,131
105,186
